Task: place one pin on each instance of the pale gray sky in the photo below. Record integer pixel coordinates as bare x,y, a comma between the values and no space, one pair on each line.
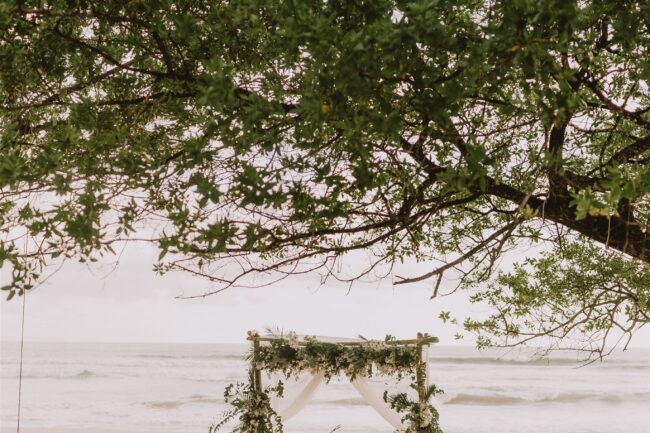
132,304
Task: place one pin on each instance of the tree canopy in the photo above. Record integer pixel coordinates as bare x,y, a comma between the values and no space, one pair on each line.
276,137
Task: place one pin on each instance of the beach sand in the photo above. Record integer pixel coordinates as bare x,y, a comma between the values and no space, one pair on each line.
66,430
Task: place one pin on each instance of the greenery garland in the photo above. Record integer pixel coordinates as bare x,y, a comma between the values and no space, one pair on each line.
289,356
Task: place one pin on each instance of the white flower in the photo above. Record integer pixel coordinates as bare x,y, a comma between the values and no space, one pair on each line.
293,339
411,427
376,345
426,416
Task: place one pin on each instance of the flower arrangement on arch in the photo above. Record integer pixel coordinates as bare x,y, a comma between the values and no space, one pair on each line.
253,408
417,416
291,356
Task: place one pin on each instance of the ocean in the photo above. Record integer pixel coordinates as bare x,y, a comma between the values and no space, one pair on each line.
172,388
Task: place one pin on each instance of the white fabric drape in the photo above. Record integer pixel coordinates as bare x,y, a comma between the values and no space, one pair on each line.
373,394
297,393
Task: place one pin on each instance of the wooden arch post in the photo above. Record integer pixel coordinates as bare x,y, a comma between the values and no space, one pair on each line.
422,366
256,374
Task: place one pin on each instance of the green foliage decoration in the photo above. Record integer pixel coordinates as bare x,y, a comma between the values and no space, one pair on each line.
418,416
252,409
288,357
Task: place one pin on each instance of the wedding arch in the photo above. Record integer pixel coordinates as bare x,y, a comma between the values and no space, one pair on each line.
287,369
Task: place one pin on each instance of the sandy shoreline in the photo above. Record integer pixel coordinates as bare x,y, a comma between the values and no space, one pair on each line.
84,430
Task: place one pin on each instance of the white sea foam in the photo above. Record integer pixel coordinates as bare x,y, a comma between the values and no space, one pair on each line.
174,388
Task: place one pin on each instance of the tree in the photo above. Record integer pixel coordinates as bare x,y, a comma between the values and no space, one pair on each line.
279,137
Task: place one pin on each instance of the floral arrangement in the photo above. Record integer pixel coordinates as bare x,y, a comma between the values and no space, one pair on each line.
253,408
289,355
417,416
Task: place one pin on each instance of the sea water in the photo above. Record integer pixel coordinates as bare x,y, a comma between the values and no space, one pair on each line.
179,388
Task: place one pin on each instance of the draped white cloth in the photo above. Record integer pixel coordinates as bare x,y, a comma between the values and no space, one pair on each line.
298,391
373,394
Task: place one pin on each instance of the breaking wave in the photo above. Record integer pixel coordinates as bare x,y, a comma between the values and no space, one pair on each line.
85,374
506,400
194,399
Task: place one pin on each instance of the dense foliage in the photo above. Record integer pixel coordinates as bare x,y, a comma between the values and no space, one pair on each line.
593,295
251,408
276,137
418,416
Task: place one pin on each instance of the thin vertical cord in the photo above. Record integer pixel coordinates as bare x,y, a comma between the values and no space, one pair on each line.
22,345
20,372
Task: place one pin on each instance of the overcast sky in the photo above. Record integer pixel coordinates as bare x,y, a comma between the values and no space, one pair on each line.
132,304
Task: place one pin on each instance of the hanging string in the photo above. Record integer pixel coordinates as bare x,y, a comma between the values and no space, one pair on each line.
20,371
22,345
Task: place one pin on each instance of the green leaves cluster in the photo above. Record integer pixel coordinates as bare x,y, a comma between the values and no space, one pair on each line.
252,408
334,359
418,416
574,297
285,135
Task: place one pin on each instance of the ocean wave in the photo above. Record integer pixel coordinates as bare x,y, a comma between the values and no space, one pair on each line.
213,380
198,398
85,374
82,375
193,399
503,361
163,404
507,400
613,364
485,400
226,356
511,400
